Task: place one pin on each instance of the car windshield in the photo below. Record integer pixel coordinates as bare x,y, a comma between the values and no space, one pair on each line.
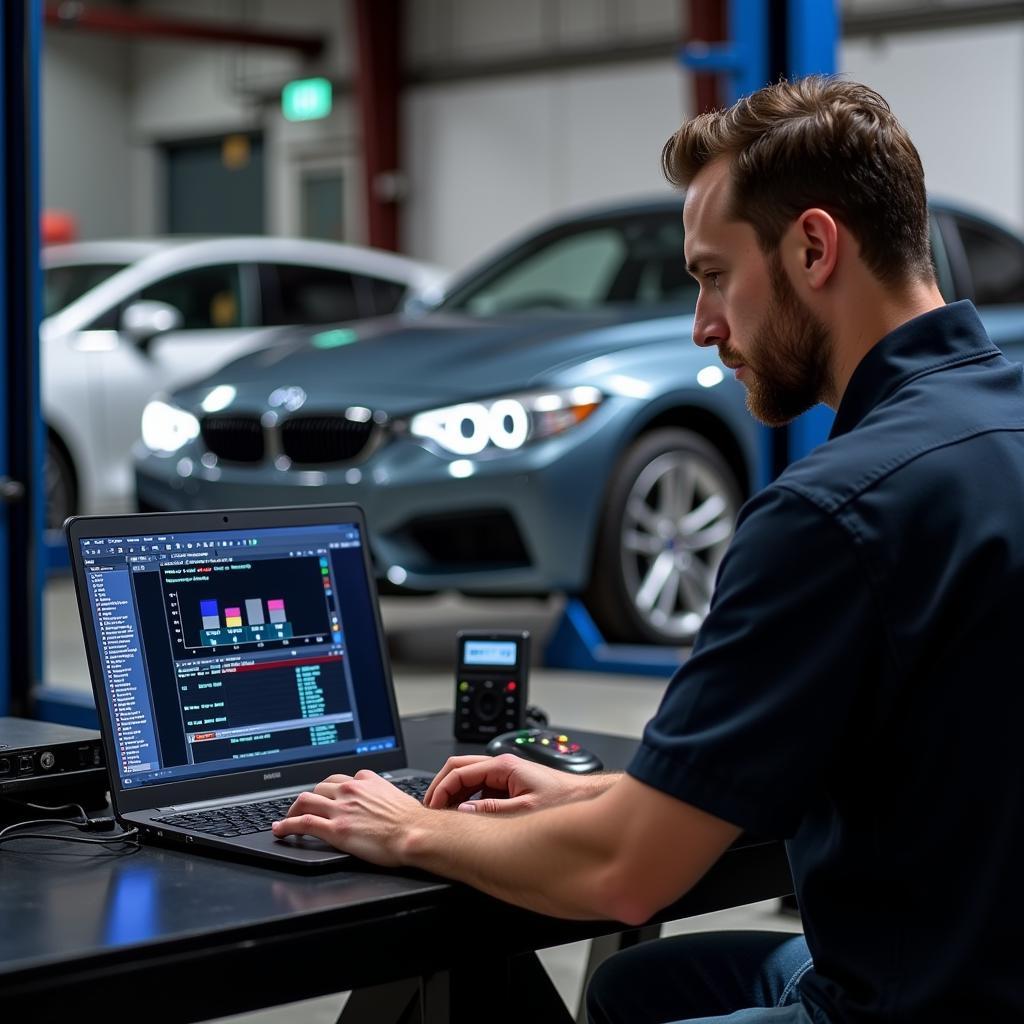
636,260
62,285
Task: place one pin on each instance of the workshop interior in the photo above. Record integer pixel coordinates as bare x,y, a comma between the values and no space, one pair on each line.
352,417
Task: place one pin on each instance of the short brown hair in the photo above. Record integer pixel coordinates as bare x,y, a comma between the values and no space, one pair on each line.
817,142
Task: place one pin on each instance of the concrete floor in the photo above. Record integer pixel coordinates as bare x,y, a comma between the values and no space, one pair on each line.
421,638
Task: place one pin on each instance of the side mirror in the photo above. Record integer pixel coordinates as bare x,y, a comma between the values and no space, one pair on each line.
146,319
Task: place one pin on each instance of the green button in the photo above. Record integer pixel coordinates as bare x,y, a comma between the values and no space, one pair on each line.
463,686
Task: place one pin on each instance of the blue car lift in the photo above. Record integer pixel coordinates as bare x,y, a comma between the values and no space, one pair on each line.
747,61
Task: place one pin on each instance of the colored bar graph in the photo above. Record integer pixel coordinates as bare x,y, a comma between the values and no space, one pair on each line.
254,611
253,628
210,614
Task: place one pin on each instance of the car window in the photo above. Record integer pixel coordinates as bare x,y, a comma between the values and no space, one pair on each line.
294,294
940,261
570,273
634,260
206,297
63,285
385,296
995,260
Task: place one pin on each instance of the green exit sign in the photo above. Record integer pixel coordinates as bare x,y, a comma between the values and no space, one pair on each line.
306,99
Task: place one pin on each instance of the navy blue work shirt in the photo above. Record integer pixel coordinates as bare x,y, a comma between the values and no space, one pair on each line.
858,686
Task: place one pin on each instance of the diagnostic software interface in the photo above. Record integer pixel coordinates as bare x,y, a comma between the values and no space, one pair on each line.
230,649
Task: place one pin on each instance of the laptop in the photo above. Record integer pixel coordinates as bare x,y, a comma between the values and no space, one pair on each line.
237,659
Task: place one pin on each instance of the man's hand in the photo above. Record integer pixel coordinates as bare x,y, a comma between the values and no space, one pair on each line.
362,814
508,784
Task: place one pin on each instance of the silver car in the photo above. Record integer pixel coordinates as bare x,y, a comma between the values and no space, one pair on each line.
124,319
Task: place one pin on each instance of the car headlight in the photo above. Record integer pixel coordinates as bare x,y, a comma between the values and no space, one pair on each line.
505,423
166,428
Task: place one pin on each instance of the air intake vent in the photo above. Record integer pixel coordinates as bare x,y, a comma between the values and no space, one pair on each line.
321,440
234,438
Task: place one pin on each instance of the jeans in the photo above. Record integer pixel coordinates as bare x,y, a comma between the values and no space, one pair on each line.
714,978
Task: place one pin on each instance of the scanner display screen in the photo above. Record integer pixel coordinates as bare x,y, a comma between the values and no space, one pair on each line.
489,652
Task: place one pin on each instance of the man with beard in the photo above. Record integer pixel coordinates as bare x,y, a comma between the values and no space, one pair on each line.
856,686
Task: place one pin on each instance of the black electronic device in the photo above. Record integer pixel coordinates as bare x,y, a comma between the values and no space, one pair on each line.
490,683
547,746
51,763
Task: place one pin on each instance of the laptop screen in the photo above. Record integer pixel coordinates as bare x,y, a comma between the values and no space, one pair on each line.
236,649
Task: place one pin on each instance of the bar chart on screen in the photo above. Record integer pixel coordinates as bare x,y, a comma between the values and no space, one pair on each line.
250,605
238,628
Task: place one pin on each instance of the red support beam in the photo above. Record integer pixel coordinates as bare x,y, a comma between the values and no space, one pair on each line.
72,14
707,25
378,85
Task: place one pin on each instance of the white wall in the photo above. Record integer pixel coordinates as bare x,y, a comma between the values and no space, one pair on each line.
960,94
487,158
85,147
453,33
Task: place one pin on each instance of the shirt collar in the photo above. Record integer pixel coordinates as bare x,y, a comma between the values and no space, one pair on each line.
945,336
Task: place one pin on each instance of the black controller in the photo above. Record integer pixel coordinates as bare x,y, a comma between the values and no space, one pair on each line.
547,746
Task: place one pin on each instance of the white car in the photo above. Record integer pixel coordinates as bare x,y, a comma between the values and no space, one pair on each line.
125,319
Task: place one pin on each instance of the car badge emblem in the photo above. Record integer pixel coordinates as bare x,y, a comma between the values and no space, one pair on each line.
289,398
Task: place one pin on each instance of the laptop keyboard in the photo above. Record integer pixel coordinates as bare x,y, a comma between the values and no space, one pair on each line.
246,819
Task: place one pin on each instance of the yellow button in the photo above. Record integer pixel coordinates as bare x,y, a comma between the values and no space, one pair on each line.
563,739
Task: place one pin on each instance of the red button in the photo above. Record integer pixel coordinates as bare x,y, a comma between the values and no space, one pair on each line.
511,688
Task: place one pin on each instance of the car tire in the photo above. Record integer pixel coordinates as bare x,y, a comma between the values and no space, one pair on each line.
61,489
669,514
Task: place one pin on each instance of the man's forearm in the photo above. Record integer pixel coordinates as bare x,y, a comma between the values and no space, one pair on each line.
621,855
556,861
586,787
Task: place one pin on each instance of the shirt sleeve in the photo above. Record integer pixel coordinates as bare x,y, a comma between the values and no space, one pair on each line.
749,725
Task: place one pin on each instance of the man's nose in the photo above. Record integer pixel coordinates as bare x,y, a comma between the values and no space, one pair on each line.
709,327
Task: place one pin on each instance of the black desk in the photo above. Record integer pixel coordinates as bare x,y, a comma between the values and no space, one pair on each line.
176,936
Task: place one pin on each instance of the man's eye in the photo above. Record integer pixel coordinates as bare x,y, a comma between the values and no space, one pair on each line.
713,276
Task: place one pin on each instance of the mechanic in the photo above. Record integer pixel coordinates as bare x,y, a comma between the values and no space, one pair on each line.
856,688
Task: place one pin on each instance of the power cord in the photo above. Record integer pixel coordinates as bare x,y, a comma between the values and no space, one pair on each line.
86,824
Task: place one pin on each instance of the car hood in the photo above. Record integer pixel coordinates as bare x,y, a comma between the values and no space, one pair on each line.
401,364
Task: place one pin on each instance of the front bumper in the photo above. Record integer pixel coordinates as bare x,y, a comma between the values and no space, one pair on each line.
520,522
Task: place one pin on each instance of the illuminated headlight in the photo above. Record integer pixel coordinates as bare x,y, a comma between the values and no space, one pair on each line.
166,428
505,423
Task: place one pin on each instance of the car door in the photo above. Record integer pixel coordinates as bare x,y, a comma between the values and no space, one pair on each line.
218,307
988,263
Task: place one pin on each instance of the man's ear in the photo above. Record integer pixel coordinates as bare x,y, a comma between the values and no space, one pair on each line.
812,248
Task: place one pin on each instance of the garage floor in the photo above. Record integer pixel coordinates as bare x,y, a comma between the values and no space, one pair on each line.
421,634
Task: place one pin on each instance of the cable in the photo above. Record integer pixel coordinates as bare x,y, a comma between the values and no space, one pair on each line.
89,825
132,836
536,716
47,807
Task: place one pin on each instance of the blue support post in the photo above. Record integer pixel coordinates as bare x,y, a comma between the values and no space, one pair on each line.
813,35
744,59
20,282
5,468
